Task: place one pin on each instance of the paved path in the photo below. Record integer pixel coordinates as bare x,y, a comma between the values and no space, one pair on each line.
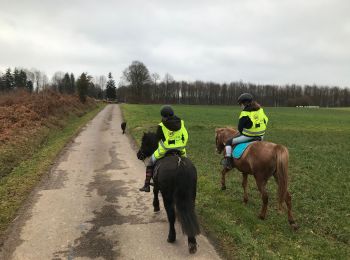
90,207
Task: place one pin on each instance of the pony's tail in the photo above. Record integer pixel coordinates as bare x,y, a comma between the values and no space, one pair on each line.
185,199
282,171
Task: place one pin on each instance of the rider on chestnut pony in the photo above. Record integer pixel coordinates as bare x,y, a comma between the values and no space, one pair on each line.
251,126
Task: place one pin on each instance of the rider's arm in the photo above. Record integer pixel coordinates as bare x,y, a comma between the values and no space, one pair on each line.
160,134
244,122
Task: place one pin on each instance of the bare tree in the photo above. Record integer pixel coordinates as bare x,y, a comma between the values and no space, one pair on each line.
37,79
137,75
155,77
57,81
102,81
168,78
44,81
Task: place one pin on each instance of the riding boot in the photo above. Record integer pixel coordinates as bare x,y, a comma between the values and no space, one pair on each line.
228,161
149,175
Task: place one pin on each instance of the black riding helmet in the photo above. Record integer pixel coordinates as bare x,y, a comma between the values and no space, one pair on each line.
245,97
166,111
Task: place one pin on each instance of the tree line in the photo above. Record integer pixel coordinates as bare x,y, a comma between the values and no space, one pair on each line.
209,93
138,85
34,80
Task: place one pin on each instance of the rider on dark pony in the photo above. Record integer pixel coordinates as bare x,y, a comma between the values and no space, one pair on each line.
172,135
251,126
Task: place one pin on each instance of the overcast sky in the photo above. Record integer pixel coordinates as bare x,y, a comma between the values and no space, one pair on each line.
261,41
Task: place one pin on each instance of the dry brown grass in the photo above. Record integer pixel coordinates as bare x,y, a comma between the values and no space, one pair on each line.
22,113
27,119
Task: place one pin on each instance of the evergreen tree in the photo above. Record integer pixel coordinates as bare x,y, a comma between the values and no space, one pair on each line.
72,84
82,86
16,78
22,79
9,81
2,83
66,83
111,89
30,86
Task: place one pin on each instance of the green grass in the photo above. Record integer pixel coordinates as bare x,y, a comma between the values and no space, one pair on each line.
319,144
17,184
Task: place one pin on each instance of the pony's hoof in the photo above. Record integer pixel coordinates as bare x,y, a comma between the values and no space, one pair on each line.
156,209
261,217
171,239
294,226
192,248
223,187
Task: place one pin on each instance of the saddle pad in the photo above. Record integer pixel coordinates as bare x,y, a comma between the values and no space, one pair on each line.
239,149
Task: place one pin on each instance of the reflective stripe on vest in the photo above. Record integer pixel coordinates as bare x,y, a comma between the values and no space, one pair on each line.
259,120
174,139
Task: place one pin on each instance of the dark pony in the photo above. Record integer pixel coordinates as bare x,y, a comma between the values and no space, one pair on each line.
262,160
176,178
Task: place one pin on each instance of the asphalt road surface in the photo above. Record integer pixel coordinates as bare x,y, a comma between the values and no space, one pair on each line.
89,206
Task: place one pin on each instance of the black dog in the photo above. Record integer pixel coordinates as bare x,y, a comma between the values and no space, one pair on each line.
123,126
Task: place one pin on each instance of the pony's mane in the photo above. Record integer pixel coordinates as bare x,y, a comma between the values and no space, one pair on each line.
149,143
149,137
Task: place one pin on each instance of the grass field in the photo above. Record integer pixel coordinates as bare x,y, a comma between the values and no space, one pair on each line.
319,171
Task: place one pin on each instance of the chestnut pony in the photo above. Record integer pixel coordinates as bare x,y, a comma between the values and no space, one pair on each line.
262,160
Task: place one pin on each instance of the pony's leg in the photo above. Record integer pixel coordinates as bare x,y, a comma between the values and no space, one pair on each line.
170,211
261,183
192,245
291,221
244,185
223,179
194,193
156,207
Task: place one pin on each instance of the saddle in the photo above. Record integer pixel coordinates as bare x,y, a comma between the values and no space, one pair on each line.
171,152
238,149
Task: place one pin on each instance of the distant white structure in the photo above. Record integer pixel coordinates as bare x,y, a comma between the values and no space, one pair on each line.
309,106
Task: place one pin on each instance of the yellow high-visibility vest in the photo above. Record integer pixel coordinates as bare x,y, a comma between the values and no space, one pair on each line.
174,140
259,120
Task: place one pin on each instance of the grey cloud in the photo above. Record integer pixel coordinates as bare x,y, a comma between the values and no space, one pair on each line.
264,41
